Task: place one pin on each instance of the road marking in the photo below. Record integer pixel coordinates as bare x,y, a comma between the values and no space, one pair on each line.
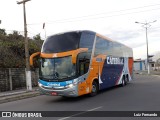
80,113
94,109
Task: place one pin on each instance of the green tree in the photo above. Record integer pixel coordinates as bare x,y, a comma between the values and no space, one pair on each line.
3,32
12,49
15,36
37,37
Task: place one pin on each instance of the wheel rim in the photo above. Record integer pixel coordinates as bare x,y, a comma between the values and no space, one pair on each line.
94,89
122,81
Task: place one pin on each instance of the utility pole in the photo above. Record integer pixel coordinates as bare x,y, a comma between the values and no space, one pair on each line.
146,25
28,72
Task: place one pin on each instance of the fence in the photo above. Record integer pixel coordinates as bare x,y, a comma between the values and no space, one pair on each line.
14,78
12,59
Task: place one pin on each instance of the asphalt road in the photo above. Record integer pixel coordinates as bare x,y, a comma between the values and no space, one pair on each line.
141,94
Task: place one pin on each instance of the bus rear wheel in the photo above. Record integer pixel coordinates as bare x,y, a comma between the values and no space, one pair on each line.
94,89
123,82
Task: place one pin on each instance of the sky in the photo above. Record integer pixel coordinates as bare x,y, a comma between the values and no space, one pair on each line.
112,18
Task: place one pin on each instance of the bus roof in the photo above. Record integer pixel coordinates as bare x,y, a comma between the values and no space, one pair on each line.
106,38
90,32
76,31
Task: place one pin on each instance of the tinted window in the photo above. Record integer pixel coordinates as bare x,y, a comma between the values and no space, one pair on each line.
61,42
117,49
83,63
87,39
127,52
103,46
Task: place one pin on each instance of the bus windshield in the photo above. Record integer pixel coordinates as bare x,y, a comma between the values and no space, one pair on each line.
57,69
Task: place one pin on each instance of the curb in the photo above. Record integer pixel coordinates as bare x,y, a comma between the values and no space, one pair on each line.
142,73
12,93
19,96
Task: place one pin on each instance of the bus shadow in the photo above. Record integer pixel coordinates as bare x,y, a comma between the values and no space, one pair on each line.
70,99
84,97
107,90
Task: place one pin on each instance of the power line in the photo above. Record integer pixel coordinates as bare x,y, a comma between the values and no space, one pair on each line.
35,32
35,35
106,13
97,16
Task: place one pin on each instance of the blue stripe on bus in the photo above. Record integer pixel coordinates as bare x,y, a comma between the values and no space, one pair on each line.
110,74
64,83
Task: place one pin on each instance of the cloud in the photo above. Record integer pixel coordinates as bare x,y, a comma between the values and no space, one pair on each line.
130,38
124,35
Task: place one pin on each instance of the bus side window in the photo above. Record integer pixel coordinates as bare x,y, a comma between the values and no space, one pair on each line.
83,66
83,63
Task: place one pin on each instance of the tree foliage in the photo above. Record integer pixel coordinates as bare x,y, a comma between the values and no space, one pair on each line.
12,49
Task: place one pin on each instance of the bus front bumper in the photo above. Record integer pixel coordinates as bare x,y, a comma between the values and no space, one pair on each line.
71,91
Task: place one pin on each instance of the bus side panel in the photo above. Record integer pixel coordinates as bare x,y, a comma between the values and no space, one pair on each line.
94,71
111,73
83,88
130,65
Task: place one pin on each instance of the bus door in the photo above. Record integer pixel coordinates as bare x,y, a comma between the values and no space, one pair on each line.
83,66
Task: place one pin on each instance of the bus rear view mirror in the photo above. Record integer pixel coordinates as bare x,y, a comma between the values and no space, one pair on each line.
34,55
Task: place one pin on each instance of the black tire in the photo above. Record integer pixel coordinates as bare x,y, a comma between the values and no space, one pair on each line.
123,82
95,89
127,79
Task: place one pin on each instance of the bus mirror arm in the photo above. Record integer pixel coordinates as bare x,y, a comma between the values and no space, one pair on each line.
74,55
31,58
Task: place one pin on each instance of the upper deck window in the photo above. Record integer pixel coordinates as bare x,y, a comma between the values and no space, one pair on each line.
87,39
62,42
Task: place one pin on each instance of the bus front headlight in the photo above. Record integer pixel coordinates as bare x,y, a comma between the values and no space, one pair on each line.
74,83
40,85
70,85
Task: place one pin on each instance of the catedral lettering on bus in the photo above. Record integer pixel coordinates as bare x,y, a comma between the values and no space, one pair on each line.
111,60
82,62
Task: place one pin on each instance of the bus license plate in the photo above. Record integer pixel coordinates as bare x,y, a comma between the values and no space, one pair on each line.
54,93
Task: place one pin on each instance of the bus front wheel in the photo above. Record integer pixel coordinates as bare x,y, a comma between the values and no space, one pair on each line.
94,89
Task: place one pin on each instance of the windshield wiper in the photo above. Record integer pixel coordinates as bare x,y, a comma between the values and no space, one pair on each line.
46,77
